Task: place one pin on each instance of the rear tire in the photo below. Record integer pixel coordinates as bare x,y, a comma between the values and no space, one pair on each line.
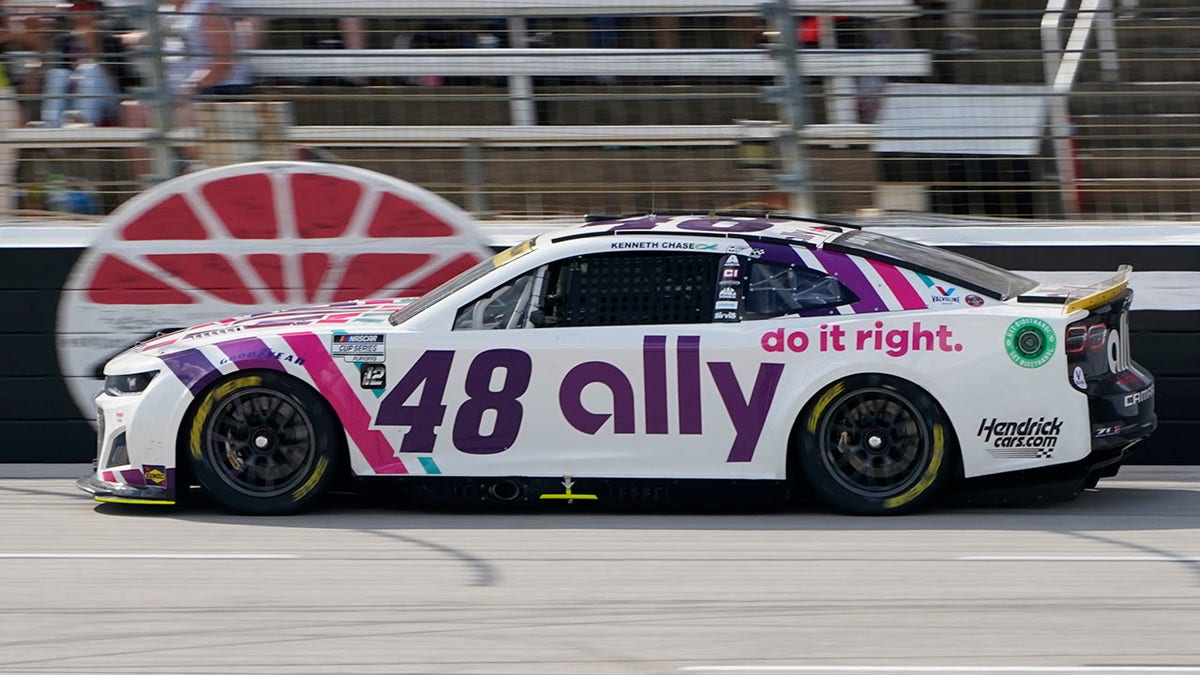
875,445
263,443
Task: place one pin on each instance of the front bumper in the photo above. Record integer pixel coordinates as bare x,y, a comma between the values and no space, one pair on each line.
122,493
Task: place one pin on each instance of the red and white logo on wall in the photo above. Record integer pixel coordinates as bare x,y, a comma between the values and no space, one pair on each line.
250,238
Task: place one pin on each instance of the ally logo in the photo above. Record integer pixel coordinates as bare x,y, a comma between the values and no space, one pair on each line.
252,238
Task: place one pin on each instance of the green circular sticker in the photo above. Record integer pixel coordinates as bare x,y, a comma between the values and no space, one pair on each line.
1029,342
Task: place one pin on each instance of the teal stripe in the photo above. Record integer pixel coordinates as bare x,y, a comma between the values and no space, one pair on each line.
429,465
927,280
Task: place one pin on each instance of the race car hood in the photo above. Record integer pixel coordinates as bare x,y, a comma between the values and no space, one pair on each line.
354,315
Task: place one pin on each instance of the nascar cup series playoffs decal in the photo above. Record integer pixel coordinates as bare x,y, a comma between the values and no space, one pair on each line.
252,238
1029,342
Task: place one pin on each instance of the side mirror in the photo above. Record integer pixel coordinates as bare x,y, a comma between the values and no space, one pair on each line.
538,318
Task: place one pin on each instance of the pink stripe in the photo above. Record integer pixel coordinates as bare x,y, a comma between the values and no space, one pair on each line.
900,286
329,381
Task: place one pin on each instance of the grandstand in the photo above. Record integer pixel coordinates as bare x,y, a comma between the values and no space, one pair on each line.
1053,109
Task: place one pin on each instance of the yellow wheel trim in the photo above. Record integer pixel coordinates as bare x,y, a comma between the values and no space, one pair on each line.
931,472
205,410
206,407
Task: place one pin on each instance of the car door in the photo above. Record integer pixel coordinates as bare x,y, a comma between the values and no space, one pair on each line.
614,363
622,364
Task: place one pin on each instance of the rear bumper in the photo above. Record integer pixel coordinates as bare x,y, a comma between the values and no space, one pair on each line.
1059,482
121,493
1122,409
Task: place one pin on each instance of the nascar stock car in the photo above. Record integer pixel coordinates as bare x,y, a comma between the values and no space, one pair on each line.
646,357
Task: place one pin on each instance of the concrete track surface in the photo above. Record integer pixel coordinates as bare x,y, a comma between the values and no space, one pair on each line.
1108,583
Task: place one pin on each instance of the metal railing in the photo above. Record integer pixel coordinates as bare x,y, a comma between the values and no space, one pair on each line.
523,129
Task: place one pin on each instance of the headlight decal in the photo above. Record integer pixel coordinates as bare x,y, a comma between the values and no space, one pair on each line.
125,385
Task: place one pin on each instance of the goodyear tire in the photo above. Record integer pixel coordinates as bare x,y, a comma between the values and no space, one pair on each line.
262,443
874,445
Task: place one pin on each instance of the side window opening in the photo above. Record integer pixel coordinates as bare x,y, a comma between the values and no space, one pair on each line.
504,307
774,289
628,289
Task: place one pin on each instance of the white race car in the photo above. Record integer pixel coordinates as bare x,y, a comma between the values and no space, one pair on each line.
647,358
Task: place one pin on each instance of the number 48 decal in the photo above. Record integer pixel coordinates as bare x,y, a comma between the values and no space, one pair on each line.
431,372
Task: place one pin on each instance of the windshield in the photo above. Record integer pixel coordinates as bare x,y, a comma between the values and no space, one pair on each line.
976,274
461,281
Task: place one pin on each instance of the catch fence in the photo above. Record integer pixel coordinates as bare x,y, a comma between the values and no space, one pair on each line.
1044,109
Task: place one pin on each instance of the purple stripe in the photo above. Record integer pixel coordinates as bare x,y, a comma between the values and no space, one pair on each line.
780,254
250,353
841,266
689,384
192,368
654,378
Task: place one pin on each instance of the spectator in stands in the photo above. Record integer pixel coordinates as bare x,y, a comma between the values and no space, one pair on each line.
959,20
21,37
354,32
210,65
91,72
25,37
10,116
201,41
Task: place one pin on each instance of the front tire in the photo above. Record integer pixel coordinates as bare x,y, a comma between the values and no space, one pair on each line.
262,443
875,445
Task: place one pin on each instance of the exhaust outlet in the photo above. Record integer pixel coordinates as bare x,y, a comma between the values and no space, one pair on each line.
505,491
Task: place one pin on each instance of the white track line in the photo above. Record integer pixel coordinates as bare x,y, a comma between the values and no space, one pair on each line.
1082,558
941,669
152,556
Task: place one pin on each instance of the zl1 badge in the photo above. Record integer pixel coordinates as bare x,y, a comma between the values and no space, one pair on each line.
373,376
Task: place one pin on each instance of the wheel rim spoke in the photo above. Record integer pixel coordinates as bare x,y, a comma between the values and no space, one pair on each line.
260,441
874,442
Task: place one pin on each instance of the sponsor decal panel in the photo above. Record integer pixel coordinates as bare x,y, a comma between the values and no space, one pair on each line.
1030,438
373,376
1137,397
358,347
262,354
490,419
1030,342
945,295
1079,379
154,474
894,339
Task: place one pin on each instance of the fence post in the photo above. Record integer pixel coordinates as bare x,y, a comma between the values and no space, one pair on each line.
475,198
520,87
792,109
160,142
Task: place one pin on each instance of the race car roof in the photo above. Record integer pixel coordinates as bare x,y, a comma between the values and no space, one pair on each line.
814,233
784,229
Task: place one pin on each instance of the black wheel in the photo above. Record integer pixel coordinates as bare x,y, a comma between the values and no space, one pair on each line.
263,443
875,445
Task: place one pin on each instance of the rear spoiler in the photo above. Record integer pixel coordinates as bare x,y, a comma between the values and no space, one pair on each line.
1099,293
